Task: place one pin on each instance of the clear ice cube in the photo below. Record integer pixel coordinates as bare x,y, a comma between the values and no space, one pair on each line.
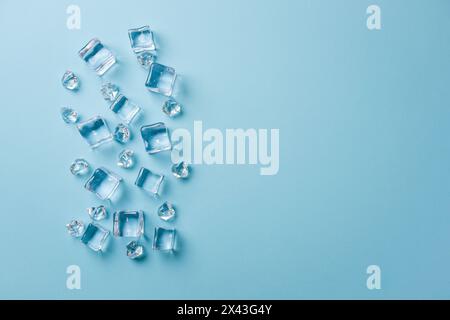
146,58
95,131
164,239
109,91
171,108
69,115
181,170
75,228
95,237
97,213
149,181
125,109
126,159
141,39
156,138
103,183
122,133
166,211
128,224
161,79
135,250
70,81
97,56
79,167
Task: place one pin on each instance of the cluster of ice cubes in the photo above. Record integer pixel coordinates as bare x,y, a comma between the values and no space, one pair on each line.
103,182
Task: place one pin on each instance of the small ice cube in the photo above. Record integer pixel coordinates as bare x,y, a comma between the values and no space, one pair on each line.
181,170
171,108
135,250
97,213
75,228
109,91
166,211
79,167
146,58
122,133
126,159
70,81
69,115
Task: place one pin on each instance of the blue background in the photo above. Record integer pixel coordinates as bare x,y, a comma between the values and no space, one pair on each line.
364,151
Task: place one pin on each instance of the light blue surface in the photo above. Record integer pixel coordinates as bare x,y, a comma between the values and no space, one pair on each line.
364,149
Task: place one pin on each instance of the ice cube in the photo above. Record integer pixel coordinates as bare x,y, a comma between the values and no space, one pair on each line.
97,56
95,237
103,183
161,79
164,239
128,224
141,39
125,109
156,138
95,131
149,181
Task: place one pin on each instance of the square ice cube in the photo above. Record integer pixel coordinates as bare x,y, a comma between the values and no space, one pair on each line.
97,56
125,109
164,239
95,131
161,79
141,39
156,138
149,181
128,224
103,183
95,237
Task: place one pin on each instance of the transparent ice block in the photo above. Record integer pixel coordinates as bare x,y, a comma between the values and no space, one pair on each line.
161,79
141,39
95,237
125,109
97,56
103,183
156,138
95,131
149,181
135,250
164,239
128,224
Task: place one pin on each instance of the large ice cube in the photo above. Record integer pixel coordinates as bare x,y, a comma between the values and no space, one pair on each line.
97,56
